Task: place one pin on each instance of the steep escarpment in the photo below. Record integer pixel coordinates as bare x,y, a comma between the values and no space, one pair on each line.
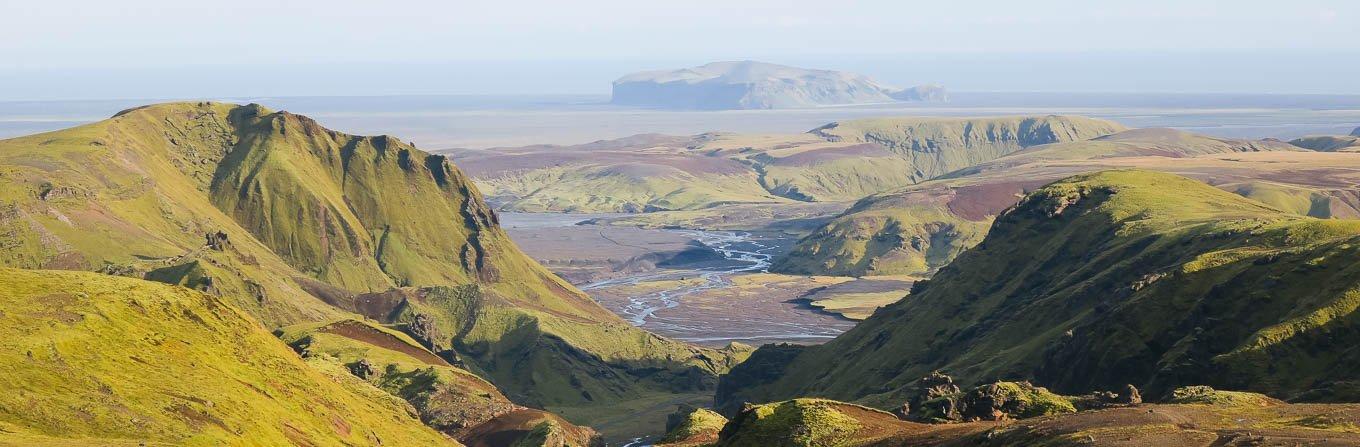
1103,280
936,146
293,222
94,359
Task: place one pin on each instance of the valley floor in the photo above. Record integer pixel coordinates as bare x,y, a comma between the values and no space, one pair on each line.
705,287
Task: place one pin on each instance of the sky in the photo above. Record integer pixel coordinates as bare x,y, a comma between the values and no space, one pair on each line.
63,49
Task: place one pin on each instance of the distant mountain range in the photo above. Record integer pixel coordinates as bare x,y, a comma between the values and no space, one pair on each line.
759,85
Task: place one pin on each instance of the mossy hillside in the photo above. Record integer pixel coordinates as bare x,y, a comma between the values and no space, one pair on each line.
1102,280
884,233
812,422
701,426
839,178
450,399
1008,400
623,189
127,195
95,357
873,239
799,422
551,360
289,221
936,146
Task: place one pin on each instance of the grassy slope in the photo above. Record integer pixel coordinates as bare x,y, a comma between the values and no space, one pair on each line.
128,195
313,218
448,398
936,146
1105,279
918,229
95,356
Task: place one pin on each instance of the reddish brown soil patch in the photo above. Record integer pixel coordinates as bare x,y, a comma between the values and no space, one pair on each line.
364,333
977,202
505,429
818,156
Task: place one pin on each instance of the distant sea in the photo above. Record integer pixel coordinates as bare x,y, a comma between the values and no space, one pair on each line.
473,121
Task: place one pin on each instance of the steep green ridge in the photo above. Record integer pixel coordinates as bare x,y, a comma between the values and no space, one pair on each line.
1101,280
99,360
128,196
936,146
293,222
918,229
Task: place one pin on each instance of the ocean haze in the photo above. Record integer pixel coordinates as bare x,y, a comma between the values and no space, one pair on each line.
480,121
1264,71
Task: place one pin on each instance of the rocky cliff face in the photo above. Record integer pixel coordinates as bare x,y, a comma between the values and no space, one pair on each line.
756,85
1103,280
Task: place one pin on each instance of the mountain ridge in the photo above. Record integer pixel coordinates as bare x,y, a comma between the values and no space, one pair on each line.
1096,281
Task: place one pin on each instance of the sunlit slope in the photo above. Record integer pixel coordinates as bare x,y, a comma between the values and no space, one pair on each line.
129,196
1101,280
291,221
91,359
920,228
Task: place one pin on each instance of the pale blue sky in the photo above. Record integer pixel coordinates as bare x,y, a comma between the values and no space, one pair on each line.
143,48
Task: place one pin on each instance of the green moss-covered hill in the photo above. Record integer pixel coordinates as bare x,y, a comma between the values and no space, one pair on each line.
95,359
936,146
834,163
445,397
918,229
1102,280
296,223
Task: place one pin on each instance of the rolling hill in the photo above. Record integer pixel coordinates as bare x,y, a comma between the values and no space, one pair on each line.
920,228
839,162
295,223
1101,280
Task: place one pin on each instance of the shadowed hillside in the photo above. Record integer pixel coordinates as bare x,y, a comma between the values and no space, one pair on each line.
1102,280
